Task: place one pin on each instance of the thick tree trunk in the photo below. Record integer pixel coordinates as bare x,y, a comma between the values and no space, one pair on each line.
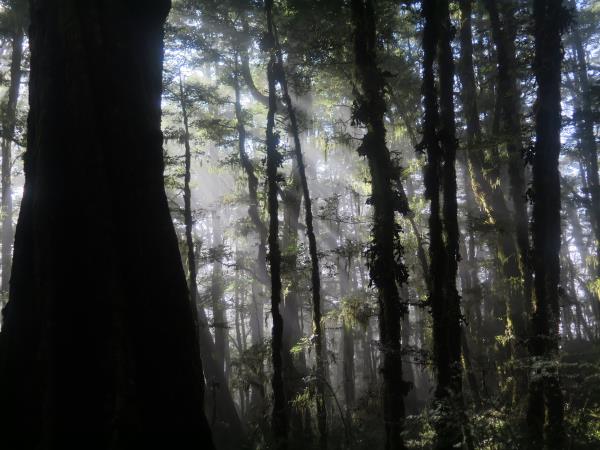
9,114
545,411
99,348
452,386
386,267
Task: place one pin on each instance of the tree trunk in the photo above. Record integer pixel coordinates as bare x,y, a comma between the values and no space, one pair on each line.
504,36
545,410
253,208
279,414
439,140
99,348
386,267
318,335
294,367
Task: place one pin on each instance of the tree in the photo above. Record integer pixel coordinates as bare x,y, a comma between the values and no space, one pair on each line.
440,143
312,248
385,254
99,347
545,413
220,403
279,415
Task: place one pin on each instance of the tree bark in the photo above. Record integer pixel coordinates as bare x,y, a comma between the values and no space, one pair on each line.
545,413
386,267
274,159
99,348
439,141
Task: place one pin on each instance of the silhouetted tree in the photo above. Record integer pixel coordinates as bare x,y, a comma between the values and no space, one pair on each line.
99,348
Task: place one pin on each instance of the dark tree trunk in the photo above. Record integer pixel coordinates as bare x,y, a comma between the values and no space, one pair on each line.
452,386
439,140
99,348
279,413
386,267
545,410
9,115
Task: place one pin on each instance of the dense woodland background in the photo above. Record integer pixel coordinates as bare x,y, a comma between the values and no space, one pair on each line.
388,215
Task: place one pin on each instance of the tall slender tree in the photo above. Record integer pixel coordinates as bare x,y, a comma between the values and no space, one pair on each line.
274,159
386,267
318,334
545,410
220,403
440,143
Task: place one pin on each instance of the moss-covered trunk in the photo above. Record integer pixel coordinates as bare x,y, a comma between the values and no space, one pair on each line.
386,267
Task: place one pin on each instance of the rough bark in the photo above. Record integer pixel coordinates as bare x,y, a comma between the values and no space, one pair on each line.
386,268
545,410
99,348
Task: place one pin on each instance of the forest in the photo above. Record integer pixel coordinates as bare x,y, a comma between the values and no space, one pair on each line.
299,224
